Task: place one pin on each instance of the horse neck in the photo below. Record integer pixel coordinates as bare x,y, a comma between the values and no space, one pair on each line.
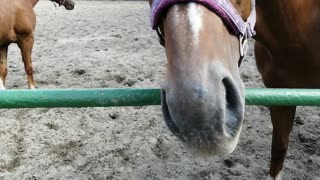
34,2
268,27
289,24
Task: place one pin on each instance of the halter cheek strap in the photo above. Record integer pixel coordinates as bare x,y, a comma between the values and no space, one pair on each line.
160,36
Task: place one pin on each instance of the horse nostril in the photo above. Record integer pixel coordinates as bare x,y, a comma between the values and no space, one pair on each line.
167,116
233,107
231,94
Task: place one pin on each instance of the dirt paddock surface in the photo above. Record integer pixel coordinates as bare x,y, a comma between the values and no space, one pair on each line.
109,45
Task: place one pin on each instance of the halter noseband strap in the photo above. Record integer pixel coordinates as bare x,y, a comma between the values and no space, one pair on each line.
223,8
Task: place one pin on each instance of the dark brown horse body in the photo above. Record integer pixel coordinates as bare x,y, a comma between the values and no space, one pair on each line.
203,95
287,56
18,22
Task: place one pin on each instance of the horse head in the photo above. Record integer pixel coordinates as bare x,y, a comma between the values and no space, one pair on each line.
203,95
68,4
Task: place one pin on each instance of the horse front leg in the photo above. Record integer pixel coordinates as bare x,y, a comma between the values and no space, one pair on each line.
25,44
282,120
3,66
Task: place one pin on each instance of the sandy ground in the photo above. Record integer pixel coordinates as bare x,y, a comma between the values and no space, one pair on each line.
110,44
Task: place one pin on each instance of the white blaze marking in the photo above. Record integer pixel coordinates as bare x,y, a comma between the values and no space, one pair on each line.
176,14
195,20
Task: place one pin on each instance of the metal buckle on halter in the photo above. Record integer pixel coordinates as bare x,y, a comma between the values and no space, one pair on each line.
243,41
243,44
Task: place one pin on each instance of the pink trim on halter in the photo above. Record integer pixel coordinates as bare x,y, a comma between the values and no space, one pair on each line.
223,8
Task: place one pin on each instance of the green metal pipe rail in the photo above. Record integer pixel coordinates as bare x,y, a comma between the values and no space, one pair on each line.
77,98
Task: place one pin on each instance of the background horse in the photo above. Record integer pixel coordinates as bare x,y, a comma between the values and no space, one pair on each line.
18,22
203,95
287,56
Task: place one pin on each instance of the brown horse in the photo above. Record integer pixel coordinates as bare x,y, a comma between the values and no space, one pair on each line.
18,22
287,56
203,94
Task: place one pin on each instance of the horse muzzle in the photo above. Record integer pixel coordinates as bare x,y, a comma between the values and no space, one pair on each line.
69,5
207,115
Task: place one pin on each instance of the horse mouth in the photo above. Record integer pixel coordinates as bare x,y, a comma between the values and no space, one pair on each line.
216,135
69,6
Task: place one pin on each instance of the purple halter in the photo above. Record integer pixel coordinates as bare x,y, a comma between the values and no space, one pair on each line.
223,8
